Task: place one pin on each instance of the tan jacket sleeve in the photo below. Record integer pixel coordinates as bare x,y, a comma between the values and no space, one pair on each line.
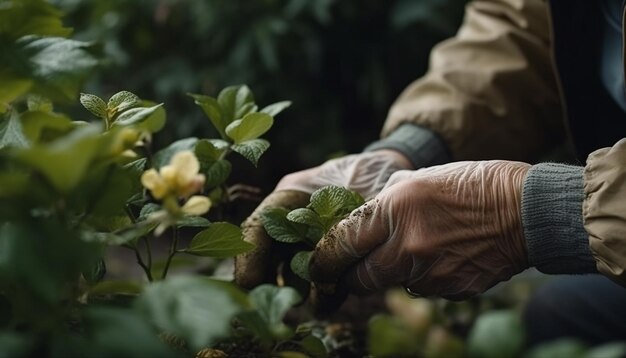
490,92
604,209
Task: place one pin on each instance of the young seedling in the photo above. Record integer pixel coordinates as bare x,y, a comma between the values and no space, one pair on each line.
328,206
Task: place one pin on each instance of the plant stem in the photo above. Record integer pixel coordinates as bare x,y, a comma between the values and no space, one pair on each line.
145,268
172,252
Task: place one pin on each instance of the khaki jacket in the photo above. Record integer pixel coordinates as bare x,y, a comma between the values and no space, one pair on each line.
492,92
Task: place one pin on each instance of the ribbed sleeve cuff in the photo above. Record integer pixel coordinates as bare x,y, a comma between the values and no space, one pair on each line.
420,145
552,218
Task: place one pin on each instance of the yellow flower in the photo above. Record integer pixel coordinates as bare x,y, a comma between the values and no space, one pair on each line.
197,205
180,178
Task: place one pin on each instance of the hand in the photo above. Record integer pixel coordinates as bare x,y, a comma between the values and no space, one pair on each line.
365,173
452,230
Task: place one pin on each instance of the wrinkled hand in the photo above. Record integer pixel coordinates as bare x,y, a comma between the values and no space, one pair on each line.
365,173
452,230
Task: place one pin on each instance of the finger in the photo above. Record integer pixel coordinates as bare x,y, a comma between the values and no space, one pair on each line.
385,266
256,266
348,241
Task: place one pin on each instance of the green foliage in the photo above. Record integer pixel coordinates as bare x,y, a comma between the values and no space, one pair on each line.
496,334
180,306
219,240
389,338
328,205
271,304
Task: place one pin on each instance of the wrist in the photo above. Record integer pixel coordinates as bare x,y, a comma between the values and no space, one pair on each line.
552,220
421,146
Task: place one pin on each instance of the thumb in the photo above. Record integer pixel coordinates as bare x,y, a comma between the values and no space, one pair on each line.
256,266
350,240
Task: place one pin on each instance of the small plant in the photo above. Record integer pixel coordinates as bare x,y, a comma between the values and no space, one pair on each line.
328,206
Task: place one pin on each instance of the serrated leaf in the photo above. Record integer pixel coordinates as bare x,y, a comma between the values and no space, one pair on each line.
179,306
252,149
300,264
137,117
280,229
212,109
220,240
122,101
304,216
164,156
11,134
94,104
275,108
39,103
217,173
331,201
252,126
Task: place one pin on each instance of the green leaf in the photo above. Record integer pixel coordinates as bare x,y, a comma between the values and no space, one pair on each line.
20,17
252,126
139,117
13,184
304,216
11,134
220,240
94,104
113,287
275,108
65,161
607,350
96,273
496,334
207,152
280,229
389,337
121,236
57,65
197,310
212,109
565,347
122,101
246,109
300,264
314,346
12,87
272,303
231,100
118,332
217,173
193,221
148,209
134,171
332,202
252,149
39,103
164,156
39,126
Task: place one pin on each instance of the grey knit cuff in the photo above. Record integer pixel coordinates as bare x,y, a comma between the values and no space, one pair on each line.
552,218
420,145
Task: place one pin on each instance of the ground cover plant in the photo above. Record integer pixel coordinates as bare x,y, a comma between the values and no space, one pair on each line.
74,186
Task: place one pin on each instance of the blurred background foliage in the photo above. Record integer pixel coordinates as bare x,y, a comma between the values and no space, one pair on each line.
342,63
